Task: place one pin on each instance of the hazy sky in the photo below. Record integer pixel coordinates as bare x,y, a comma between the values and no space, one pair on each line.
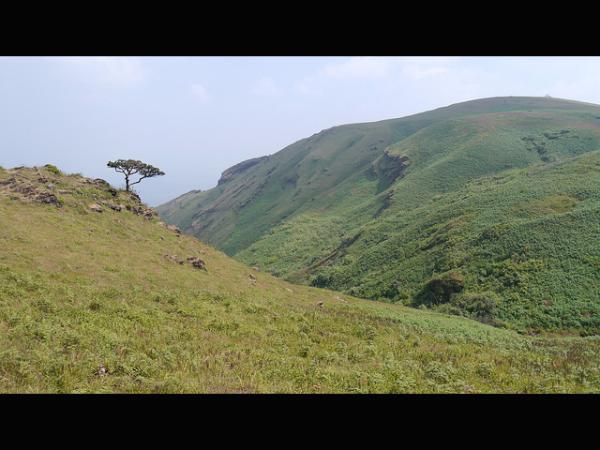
195,117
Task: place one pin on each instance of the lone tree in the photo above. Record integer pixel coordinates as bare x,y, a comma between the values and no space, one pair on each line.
129,167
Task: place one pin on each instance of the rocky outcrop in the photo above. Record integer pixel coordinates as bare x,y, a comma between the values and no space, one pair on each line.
29,189
388,168
174,228
238,169
43,187
117,208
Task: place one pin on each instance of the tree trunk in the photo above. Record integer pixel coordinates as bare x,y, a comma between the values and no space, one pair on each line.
127,183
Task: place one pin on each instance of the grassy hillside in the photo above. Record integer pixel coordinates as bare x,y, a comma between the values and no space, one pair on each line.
489,193
108,302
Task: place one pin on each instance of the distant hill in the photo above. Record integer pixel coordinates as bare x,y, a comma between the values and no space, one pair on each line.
487,208
97,295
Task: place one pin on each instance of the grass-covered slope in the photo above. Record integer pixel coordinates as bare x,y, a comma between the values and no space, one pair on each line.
382,210
108,302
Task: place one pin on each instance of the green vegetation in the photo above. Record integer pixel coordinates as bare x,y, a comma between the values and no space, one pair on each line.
130,167
503,193
52,169
108,302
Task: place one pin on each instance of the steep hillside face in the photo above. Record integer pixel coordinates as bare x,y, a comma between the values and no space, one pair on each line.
378,210
97,295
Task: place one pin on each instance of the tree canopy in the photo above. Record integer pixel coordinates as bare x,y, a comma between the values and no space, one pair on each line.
129,167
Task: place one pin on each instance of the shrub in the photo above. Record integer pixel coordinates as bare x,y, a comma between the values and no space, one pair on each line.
320,281
478,305
440,289
52,168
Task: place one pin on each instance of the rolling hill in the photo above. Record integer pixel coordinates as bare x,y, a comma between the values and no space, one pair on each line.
488,209
98,295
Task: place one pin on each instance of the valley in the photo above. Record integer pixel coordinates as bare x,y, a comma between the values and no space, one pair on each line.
499,196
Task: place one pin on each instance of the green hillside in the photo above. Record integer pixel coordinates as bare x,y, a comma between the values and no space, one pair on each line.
487,209
98,295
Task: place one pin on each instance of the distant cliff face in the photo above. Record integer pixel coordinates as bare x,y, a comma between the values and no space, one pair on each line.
239,169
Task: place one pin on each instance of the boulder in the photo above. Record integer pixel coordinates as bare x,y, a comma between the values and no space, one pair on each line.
197,262
135,197
102,371
48,198
174,228
174,258
95,207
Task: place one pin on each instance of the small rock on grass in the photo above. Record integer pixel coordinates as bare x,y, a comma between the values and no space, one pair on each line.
197,263
102,371
117,208
174,258
174,228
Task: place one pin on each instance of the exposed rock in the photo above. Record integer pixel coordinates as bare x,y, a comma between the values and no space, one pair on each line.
101,182
239,169
9,181
174,228
320,304
256,268
197,262
27,190
102,371
149,213
252,278
113,192
117,208
388,168
175,259
49,198
135,197
95,207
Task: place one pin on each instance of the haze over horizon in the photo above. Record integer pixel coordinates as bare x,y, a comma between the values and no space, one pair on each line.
194,117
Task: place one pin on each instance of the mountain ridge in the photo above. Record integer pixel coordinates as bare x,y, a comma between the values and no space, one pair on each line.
315,210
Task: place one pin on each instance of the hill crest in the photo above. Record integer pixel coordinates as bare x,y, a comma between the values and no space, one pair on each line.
340,209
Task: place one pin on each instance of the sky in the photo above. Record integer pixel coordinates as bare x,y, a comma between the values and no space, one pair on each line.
193,117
